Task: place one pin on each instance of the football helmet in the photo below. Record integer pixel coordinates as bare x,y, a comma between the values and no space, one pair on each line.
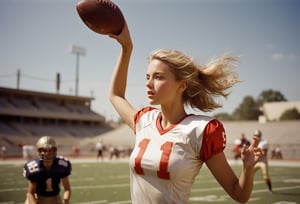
257,133
46,144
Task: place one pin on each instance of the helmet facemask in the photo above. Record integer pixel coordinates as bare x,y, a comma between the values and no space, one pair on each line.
46,148
257,133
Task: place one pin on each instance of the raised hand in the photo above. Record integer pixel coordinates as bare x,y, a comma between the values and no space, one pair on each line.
250,155
124,37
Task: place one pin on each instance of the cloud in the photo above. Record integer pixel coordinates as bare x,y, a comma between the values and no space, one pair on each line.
277,56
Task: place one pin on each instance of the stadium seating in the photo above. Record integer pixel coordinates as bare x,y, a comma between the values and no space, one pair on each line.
27,115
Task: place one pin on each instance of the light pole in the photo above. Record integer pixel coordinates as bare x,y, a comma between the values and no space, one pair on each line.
78,51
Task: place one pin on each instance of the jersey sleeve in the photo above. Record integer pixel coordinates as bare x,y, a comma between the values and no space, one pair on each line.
31,169
65,166
214,140
263,145
139,115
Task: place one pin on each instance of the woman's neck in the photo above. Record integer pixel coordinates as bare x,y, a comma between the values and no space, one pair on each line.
171,116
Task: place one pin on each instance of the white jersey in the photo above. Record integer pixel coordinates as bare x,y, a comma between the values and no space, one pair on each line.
165,162
264,145
99,145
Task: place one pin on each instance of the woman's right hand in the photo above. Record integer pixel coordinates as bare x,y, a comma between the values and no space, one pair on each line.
124,37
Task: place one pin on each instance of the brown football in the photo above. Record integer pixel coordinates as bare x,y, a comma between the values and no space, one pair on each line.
101,16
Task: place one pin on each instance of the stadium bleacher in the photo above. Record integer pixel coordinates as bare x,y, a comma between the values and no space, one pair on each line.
26,115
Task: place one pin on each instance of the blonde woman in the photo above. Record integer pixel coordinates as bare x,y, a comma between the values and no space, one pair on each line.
171,145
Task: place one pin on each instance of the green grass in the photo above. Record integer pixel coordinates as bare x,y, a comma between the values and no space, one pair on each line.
108,182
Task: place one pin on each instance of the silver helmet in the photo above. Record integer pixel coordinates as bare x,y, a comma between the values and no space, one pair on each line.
44,144
257,133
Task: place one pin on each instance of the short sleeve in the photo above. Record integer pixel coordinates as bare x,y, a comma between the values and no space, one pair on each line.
31,169
68,170
141,112
65,167
214,140
263,145
139,115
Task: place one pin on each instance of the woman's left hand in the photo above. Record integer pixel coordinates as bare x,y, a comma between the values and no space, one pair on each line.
250,155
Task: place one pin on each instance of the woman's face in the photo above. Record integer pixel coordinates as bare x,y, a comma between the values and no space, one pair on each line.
162,87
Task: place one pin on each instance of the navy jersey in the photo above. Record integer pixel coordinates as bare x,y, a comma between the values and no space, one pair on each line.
48,181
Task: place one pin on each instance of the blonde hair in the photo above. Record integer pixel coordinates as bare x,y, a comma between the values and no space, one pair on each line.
204,83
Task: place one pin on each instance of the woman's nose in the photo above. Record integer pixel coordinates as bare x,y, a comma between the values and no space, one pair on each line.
149,83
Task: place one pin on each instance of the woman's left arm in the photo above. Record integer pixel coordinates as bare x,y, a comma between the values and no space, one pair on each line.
238,188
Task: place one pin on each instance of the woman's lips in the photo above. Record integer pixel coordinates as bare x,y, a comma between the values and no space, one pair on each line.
150,93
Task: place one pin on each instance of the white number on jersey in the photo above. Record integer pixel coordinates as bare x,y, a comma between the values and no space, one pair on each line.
49,185
33,166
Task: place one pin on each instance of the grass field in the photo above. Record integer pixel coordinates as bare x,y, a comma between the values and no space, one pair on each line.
108,182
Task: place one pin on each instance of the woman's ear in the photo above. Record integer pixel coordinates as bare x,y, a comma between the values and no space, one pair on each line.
183,85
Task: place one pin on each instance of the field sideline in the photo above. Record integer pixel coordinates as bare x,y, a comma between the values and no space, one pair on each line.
96,182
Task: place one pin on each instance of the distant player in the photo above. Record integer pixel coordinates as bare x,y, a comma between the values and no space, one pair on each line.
45,174
239,144
262,164
99,147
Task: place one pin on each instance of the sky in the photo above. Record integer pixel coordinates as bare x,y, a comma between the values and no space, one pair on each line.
36,36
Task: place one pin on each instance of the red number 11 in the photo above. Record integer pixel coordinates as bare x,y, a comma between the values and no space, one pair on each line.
166,149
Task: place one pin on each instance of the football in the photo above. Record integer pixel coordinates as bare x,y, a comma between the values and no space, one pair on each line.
101,16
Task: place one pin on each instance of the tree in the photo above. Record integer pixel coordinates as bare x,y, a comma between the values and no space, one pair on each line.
223,116
247,110
290,114
270,96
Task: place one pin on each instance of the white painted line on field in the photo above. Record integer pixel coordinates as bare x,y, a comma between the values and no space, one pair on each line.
12,189
276,189
221,198
292,181
121,202
102,186
75,187
207,189
209,198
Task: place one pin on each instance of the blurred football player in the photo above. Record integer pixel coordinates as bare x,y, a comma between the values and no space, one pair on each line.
262,164
45,174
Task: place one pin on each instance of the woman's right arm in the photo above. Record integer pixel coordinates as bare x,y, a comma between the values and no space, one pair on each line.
119,79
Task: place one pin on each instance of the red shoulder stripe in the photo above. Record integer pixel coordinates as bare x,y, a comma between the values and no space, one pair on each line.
139,114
